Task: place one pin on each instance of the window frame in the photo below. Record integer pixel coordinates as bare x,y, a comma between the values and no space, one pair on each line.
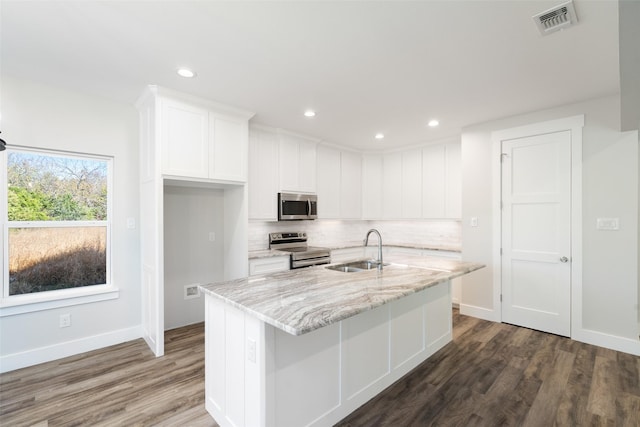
26,303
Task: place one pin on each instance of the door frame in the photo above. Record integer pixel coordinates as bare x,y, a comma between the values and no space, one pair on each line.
574,124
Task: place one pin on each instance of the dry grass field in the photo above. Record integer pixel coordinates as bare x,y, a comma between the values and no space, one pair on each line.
42,259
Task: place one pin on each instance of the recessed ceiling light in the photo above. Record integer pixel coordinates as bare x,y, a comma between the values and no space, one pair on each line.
433,123
379,135
185,72
309,113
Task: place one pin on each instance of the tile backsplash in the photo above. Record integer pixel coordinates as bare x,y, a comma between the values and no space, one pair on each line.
439,233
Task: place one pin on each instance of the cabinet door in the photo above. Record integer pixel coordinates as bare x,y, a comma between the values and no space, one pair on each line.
433,181
263,175
297,164
307,169
392,186
268,265
351,185
453,208
371,186
328,182
412,184
228,148
288,165
185,140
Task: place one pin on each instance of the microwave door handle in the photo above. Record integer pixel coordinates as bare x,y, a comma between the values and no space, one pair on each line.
308,207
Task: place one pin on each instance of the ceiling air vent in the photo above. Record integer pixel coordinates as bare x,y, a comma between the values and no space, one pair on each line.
556,18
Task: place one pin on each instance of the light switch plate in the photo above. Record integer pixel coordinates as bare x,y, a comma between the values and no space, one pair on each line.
608,224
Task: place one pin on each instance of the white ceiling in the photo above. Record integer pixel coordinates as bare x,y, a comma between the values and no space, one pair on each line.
366,67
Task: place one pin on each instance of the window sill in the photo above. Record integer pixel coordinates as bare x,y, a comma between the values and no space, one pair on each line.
21,304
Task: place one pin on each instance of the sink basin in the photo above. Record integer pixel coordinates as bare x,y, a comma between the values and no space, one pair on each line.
355,266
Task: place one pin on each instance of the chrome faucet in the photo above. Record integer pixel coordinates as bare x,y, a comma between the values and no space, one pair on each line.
366,242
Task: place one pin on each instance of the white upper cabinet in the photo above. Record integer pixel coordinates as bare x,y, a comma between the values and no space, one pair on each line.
372,186
328,182
201,139
297,166
350,185
185,139
392,186
412,184
441,181
227,148
339,184
263,174
433,181
453,205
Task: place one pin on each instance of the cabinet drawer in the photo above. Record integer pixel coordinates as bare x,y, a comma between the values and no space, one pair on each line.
268,265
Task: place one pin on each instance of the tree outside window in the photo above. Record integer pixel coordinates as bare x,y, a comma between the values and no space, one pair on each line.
57,221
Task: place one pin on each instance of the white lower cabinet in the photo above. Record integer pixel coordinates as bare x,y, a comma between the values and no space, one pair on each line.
456,292
268,265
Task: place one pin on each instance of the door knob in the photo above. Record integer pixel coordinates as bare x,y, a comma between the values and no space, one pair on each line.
564,259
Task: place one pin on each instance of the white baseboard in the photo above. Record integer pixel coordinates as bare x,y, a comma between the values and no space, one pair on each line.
11,362
613,342
479,312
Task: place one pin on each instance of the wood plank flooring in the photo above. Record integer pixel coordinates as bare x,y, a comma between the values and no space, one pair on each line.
491,374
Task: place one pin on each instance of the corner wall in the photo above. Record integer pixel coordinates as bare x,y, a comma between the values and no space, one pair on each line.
609,311
43,116
191,254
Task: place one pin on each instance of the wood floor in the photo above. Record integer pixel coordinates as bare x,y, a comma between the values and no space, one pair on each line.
491,374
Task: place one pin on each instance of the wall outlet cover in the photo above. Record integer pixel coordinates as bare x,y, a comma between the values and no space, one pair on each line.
608,224
191,291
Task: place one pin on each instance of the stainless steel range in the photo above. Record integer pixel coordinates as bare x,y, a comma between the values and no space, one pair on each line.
301,254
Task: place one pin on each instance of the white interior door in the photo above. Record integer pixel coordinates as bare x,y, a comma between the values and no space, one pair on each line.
536,232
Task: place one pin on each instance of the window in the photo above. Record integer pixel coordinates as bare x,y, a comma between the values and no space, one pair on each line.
57,227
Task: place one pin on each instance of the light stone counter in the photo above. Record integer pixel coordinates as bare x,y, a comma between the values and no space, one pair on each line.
307,347
303,300
267,253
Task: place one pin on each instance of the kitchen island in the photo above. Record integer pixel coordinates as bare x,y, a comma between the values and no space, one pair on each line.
309,346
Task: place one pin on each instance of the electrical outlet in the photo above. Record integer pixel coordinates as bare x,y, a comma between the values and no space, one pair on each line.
608,224
251,350
131,223
191,291
65,320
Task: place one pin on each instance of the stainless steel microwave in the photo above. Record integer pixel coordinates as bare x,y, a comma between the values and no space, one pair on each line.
297,206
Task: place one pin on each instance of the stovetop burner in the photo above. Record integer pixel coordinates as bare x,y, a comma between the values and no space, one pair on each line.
301,254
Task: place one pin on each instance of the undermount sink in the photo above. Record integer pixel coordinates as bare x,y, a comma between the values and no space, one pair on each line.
355,266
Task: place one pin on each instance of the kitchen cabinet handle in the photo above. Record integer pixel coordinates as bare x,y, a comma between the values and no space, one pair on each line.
564,259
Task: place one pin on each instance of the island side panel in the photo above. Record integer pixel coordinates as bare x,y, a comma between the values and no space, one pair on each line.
439,317
316,379
306,376
235,385
376,348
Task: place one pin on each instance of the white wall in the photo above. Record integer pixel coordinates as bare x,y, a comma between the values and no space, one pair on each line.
610,189
190,214
42,116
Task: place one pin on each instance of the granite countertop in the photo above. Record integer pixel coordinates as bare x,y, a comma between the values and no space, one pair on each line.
265,253
303,300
